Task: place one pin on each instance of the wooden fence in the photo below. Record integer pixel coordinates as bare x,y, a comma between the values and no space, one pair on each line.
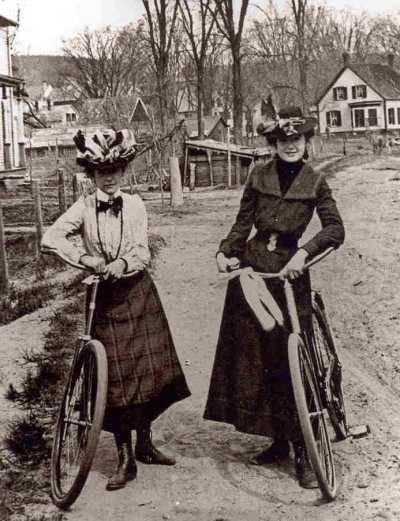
33,206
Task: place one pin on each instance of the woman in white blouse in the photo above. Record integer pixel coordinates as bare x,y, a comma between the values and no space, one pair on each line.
145,376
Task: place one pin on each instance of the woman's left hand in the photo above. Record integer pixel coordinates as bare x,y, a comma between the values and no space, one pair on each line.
294,268
115,269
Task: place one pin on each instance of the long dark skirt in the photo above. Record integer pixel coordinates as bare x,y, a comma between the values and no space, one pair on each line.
250,385
144,373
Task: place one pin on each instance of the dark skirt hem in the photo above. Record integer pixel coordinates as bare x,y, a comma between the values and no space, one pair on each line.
243,423
139,414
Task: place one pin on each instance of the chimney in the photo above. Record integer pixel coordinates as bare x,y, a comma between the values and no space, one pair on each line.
390,60
346,59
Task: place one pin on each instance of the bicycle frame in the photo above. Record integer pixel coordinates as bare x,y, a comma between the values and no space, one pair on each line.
295,327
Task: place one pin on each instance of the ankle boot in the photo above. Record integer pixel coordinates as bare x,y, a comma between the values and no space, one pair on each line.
126,469
147,453
278,451
304,472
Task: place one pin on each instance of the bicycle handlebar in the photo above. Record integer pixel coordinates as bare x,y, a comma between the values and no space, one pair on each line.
51,251
308,265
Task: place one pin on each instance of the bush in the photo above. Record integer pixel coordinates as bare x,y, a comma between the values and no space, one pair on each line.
25,439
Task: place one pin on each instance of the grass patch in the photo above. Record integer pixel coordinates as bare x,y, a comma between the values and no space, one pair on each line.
20,301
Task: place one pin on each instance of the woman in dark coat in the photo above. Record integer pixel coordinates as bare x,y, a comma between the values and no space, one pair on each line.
144,373
250,385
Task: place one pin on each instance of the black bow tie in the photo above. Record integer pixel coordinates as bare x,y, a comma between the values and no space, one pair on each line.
113,204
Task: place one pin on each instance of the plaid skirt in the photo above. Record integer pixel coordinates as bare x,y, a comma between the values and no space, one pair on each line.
144,373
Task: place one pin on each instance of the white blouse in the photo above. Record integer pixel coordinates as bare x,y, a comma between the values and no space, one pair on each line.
101,231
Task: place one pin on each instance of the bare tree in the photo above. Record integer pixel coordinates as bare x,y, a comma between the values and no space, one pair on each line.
106,62
199,33
386,37
225,19
161,19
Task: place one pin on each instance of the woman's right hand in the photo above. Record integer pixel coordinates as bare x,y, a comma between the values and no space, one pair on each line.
97,264
226,264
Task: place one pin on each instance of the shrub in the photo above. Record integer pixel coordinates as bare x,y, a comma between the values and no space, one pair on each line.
25,438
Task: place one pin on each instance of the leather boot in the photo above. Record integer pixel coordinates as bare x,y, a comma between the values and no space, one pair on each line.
304,472
126,470
147,453
278,451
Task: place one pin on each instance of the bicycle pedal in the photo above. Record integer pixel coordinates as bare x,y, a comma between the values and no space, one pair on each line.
358,431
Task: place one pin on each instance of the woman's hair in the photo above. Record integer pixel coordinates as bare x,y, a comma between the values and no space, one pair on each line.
89,171
271,140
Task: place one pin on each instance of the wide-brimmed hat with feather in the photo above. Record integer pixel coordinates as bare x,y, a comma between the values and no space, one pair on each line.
106,149
288,121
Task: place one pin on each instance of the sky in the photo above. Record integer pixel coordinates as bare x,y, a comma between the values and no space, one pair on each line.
45,23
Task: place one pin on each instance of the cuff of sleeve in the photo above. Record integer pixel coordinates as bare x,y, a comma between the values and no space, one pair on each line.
311,248
125,262
81,256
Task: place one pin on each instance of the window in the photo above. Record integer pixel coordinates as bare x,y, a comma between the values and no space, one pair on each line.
359,118
333,118
359,91
70,117
4,92
398,116
391,117
340,93
372,118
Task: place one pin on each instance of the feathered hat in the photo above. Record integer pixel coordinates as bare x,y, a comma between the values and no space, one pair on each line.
105,149
286,122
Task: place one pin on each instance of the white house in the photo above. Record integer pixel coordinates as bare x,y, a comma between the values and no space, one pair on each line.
54,106
361,97
12,140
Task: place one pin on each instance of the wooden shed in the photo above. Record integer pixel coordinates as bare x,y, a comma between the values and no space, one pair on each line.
209,163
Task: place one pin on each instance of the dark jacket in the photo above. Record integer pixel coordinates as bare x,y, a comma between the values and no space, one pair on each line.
264,206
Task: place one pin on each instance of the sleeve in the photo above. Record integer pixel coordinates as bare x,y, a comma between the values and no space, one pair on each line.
137,255
234,244
332,233
57,237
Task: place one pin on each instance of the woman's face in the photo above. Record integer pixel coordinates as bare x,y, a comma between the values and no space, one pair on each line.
108,181
292,148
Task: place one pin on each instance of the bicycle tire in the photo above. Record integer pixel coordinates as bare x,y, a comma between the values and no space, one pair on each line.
79,424
326,352
311,416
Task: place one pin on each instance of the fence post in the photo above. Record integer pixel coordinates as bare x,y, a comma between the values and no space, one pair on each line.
175,182
62,196
38,213
3,257
237,170
75,189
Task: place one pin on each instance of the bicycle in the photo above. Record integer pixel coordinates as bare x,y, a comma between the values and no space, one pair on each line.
81,413
315,369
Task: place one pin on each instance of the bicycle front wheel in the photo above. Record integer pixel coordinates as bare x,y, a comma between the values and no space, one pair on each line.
312,416
331,368
79,424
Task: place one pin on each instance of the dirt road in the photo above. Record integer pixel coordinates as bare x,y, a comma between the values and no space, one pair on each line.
212,479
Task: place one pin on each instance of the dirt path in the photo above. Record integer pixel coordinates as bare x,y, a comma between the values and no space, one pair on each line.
212,480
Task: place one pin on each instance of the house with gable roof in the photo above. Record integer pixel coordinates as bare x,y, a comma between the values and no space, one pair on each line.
361,97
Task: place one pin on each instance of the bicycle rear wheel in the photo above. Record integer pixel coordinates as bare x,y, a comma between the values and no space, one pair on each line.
312,416
331,368
79,425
